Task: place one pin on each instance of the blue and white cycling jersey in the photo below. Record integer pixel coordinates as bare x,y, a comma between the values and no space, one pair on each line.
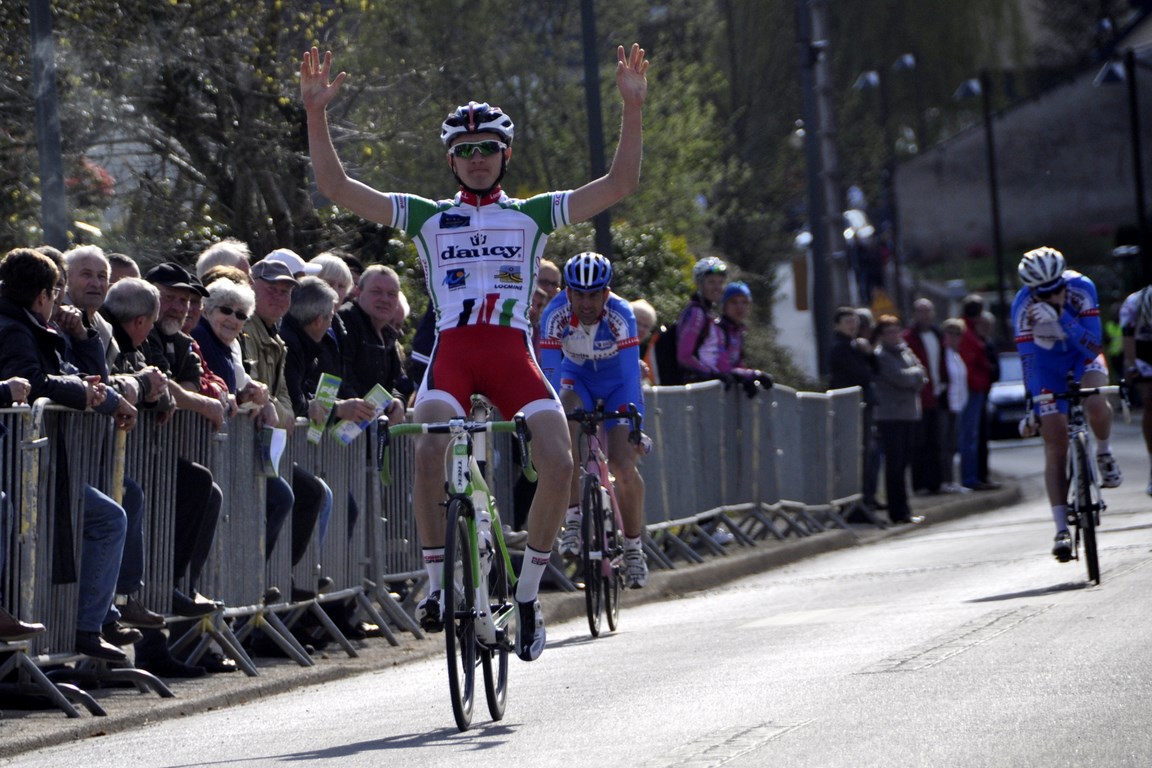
1053,344
600,361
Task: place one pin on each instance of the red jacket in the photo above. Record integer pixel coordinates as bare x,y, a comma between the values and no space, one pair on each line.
973,350
928,399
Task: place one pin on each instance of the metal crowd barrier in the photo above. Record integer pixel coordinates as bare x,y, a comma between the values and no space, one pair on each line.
781,464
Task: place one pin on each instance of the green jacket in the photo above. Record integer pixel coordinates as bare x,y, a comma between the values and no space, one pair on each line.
265,352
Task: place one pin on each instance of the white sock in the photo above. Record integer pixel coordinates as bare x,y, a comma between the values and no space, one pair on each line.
1060,516
532,570
1103,446
434,566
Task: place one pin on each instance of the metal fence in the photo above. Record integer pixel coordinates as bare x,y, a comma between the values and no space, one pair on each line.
781,464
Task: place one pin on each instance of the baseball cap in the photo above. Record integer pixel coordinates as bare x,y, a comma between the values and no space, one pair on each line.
273,271
296,265
173,275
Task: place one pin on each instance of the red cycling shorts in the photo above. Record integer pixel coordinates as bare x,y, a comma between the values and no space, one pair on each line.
491,360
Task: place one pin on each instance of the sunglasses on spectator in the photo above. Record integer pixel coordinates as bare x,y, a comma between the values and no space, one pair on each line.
466,149
240,314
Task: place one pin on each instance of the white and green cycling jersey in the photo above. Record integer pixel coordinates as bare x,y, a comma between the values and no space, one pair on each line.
480,255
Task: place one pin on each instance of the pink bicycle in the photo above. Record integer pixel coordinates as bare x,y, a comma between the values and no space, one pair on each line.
602,527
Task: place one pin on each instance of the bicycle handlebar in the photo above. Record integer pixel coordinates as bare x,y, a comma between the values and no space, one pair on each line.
1080,393
518,426
589,420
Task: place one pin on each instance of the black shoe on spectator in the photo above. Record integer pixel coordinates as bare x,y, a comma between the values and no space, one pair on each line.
91,644
12,629
134,614
197,605
170,667
216,663
119,635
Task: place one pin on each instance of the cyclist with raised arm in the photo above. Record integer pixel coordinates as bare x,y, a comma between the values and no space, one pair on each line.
590,351
1056,320
1136,330
480,251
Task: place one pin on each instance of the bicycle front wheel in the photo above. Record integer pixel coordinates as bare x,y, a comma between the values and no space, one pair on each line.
592,531
1085,510
494,661
460,596
613,562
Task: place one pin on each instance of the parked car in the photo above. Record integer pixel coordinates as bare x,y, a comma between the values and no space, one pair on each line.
1007,398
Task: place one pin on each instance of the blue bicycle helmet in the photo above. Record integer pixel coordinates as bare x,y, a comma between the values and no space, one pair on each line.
588,271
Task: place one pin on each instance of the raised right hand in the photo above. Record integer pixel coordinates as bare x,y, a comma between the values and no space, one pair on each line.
315,90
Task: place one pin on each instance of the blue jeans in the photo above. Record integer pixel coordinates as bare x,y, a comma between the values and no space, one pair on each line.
131,577
968,439
105,525
279,505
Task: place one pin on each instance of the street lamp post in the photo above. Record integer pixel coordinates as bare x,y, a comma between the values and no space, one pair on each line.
874,80
982,87
1114,72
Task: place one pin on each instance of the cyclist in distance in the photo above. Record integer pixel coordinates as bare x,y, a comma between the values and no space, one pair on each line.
590,351
1056,320
480,251
1136,330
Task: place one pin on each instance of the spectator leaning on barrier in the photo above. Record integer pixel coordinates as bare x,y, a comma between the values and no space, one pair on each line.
899,378
273,282
12,391
732,325
198,497
30,283
696,334
371,355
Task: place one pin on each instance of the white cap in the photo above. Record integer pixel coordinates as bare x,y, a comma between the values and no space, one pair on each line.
296,265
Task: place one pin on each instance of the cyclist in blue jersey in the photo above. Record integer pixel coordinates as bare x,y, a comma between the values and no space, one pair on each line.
590,351
481,253
1056,319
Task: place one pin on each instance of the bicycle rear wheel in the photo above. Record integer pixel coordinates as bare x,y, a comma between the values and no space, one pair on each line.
1086,511
592,530
613,562
459,629
494,661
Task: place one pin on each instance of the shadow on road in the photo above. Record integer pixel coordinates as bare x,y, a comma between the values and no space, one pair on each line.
1040,592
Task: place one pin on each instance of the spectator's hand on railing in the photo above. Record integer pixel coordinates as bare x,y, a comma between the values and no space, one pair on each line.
156,383
395,410
212,410
254,392
95,391
18,388
125,415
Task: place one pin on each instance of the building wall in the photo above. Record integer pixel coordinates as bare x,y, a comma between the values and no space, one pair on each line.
1064,164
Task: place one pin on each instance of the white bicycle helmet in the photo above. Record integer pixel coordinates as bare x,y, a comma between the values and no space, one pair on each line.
709,265
1042,268
588,271
477,118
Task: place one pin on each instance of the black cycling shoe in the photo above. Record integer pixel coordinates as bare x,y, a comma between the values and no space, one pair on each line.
1062,548
428,613
530,635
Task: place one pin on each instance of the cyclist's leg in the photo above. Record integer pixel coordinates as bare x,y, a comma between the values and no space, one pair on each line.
1097,407
629,484
552,455
1054,431
570,538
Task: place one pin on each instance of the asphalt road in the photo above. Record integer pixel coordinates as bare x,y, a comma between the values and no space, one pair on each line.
961,643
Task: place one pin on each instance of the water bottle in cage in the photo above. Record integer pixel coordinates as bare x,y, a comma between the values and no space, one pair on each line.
483,529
